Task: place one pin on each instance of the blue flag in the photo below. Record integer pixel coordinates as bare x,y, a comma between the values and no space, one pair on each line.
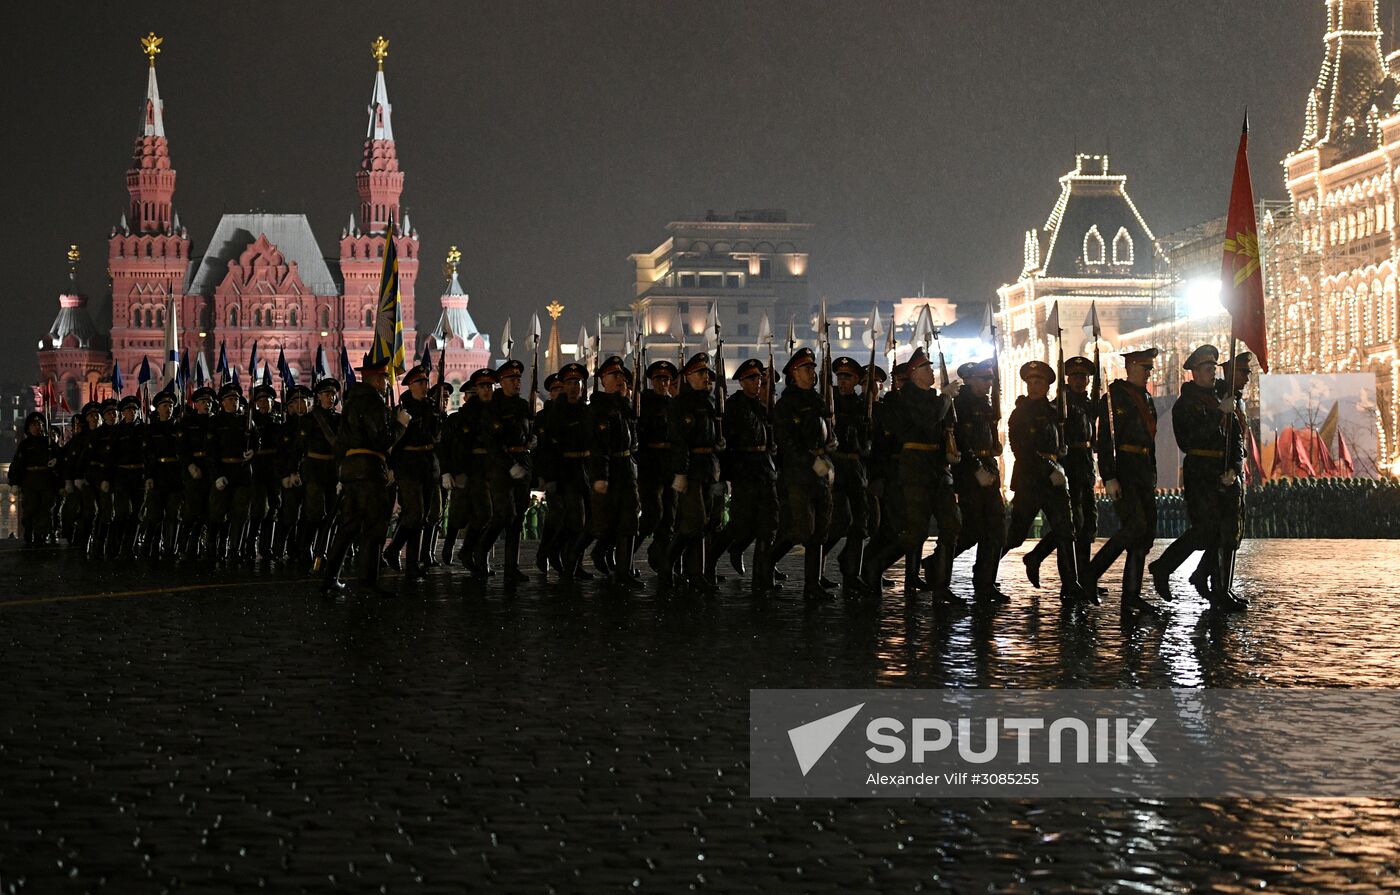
234,377
144,376
347,372
284,369
427,359
117,383
222,368
322,368
253,364
183,372
201,370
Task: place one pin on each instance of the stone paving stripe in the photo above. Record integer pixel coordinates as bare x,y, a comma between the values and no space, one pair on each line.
10,604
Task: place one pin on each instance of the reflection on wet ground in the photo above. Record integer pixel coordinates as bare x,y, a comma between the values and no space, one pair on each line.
240,730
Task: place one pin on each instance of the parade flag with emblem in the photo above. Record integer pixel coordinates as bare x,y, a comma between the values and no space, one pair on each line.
222,368
387,346
1241,279
322,368
253,365
347,372
118,384
171,373
284,369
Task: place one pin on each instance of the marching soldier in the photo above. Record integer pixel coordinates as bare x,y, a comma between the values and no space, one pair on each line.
164,486
367,433
1127,446
612,470
126,472
977,478
103,448
1039,479
194,459
849,494
317,450
439,395
753,475
695,437
925,483
547,553
884,476
564,467
508,438
1080,414
68,512
465,446
1207,430
34,471
232,444
416,473
265,502
289,472
658,501
87,465
805,437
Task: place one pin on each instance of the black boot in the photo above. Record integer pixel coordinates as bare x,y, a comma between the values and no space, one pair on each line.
878,562
414,568
1133,566
1034,557
1222,595
622,573
812,589
427,557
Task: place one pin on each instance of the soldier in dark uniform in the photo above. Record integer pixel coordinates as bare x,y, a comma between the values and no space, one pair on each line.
848,495
919,425
318,454
103,448
265,499
1212,468
508,437
753,475
194,460
69,508
977,478
694,435
884,475
563,466
368,431
1080,414
164,487
232,445
85,463
1039,479
547,551
127,473
805,435
466,448
33,471
612,472
289,472
658,501
439,395
416,472
1127,448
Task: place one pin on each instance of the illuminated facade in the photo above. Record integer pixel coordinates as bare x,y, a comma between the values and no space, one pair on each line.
749,263
1095,247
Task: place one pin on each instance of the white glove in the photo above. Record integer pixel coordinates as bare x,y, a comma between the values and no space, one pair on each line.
53,461
955,458
821,466
459,480
195,471
391,477
600,486
68,487
106,487
296,479
248,454
339,487
1113,489
221,482
404,417
1229,477
678,484
953,387
447,480
286,481
1229,405
1058,479
985,477
150,484
831,476
519,473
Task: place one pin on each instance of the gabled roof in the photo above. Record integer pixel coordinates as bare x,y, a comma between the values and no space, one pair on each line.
290,233
1094,205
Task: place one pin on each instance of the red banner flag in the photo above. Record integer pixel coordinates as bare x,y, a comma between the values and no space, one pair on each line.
1242,281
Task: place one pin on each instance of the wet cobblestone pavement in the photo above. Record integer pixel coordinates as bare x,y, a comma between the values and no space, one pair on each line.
239,732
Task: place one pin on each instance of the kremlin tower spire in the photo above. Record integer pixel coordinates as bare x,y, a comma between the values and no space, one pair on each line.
379,179
150,180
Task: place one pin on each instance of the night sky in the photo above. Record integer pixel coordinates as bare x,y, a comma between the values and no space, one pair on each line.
550,140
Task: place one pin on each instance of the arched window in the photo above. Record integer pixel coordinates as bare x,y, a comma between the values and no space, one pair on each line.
257,317
1122,247
325,317
160,316
1094,249
292,315
233,315
135,316
150,318
369,316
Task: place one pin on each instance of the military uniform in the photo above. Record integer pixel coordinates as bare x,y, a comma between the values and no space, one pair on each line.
1081,411
194,429
33,472
127,474
563,458
750,449
366,435
977,481
1039,479
163,475
232,443
919,424
265,496
289,474
612,462
696,439
86,464
848,494
318,453
804,431
1127,450
416,473
465,449
654,474
508,436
